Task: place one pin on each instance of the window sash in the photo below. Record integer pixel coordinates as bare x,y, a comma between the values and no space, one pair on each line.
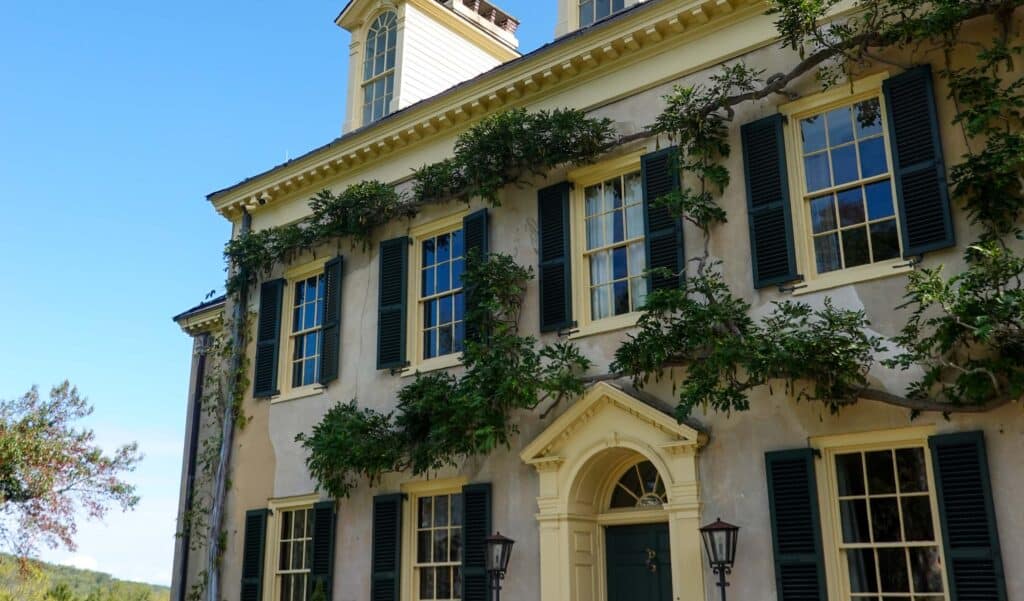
422,329
450,527
299,334
588,253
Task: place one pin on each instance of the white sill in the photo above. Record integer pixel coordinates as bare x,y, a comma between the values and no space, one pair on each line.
298,393
856,275
608,324
443,362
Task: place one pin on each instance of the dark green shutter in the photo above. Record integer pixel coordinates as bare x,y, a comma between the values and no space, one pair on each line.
768,211
554,272
330,355
968,517
664,231
391,309
253,546
385,580
268,339
324,525
796,526
919,170
474,236
476,527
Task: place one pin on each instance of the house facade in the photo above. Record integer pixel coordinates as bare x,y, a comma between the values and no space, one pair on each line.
605,497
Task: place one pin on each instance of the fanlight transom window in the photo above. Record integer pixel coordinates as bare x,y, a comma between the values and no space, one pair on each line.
641,487
379,67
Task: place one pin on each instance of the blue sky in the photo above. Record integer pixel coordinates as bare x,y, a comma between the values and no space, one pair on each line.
116,119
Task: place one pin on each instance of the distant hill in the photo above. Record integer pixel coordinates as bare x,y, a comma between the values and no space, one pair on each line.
49,582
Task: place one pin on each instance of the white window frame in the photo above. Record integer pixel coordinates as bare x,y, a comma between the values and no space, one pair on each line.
841,95
414,321
580,179
285,361
415,491
272,554
836,569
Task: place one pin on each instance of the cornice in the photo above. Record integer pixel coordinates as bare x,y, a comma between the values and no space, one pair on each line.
201,322
650,28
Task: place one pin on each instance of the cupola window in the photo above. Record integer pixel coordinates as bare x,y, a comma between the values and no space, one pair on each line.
379,67
592,11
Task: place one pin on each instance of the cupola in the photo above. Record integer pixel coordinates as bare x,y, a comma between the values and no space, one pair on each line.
404,51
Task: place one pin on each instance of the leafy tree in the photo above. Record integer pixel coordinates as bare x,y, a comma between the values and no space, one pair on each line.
50,469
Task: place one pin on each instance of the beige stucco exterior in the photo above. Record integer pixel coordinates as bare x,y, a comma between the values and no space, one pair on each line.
548,487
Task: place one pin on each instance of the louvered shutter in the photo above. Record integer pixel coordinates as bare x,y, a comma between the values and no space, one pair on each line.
391,308
476,527
474,236
768,210
968,517
322,565
796,526
253,546
268,339
664,232
385,579
918,167
554,273
330,355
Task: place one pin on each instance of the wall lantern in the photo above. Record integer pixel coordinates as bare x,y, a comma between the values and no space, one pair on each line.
720,543
499,549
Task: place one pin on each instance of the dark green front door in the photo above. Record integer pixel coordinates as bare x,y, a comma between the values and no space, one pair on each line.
638,563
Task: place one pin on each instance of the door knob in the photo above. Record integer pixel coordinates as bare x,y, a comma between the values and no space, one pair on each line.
652,555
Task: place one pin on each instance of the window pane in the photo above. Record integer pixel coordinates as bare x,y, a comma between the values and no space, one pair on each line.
823,214
634,221
851,207
850,474
868,118
441,545
423,546
455,545
638,288
460,337
885,243
840,126
813,133
879,197
460,306
444,583
444,340
618,227
861,564
286,556
602,9
601,267
458,267
621,298
881,479
912,473
826,252
426,583
441,511
429,344
892,567
300,524
637,259
613,194
286,587
444,277
817,172
844,164
926,567
854,515
600,302
297,554
872,157
444,305
855,247
619,263
592,195
428,282
457,510
430,314
885,520
917,519
443,248
633,190
428,252
586,13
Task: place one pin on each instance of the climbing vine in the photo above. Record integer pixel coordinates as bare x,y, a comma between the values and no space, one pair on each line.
441,418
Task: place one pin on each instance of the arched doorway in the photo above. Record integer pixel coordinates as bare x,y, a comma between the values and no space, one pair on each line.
618,501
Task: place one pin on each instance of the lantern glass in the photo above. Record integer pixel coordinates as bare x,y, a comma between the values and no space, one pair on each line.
499,550
720,542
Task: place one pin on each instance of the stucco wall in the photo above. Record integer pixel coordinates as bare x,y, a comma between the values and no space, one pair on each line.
269,463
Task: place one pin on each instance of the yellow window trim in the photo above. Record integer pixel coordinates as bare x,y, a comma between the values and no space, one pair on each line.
273,536
284,364
580,179
415,490
414,323
841,95
831,445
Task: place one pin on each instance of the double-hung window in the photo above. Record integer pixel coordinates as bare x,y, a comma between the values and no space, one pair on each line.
440,299
614,254
438,554
379,67
294,555
307,330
